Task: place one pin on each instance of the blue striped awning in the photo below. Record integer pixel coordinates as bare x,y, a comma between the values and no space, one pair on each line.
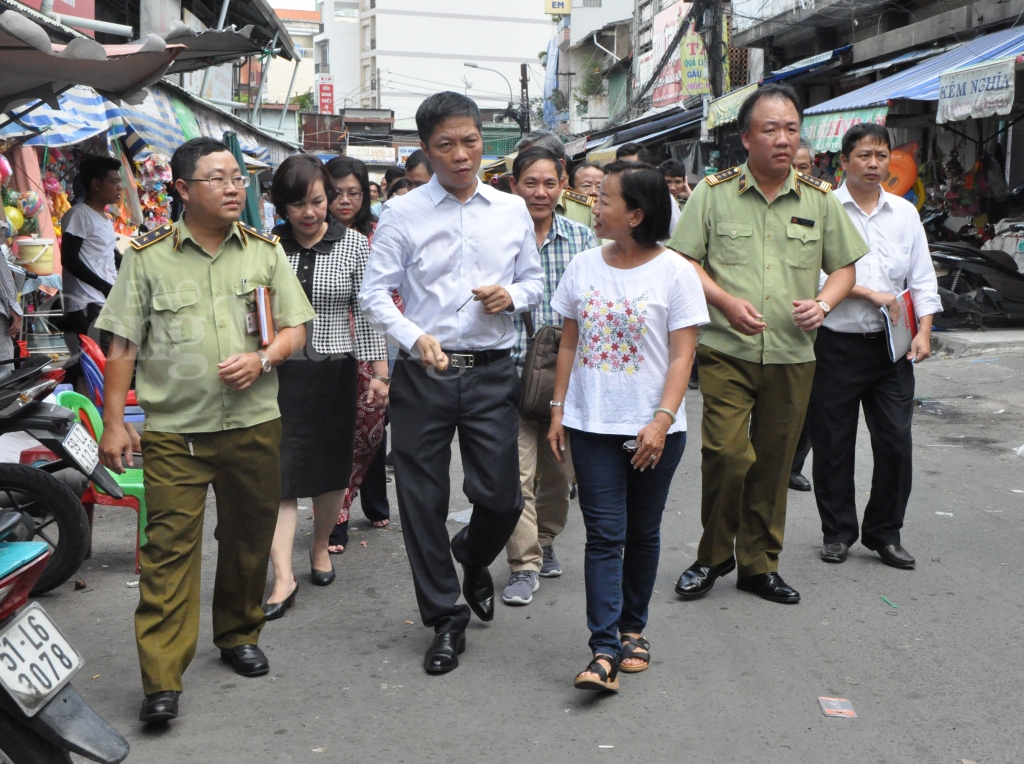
83,114
921,82
152,126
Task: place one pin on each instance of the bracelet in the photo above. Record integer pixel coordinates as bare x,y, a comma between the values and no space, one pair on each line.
666,411
381,378
554,404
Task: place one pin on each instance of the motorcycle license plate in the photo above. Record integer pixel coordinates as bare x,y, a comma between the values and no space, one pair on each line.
36,660
82,448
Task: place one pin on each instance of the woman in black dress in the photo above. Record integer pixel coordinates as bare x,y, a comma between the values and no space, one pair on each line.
318,385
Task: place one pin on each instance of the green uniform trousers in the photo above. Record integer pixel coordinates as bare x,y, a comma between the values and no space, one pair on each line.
753,415
243,465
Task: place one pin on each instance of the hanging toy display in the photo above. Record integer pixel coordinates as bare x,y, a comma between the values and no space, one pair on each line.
5,170
154,178
15,216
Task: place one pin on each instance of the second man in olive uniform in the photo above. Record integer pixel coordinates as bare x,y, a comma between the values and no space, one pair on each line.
759,234
184,304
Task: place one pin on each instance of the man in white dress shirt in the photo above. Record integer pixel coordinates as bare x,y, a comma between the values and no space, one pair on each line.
854,367
464,258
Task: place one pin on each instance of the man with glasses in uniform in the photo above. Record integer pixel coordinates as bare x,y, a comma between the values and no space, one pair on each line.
184,306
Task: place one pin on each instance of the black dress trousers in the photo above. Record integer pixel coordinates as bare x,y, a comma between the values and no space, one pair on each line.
854,370
427,408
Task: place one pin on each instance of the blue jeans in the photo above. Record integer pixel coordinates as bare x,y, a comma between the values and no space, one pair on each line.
622,509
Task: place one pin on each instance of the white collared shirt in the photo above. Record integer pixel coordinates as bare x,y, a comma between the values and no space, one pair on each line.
435,250
899,254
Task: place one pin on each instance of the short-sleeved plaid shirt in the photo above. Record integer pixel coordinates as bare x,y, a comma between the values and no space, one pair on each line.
565,240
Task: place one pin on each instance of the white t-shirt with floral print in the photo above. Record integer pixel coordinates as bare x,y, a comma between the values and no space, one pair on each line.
624,319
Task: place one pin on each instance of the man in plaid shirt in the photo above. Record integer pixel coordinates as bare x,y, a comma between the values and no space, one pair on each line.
538,176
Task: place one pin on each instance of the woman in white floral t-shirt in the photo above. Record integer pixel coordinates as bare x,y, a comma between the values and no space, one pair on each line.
631,313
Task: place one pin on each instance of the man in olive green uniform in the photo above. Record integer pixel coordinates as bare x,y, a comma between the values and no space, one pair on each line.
759,234
576,206
184,304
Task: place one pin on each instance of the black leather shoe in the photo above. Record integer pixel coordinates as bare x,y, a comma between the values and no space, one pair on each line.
698,579
478,589
835,552
443,654
276,610
320,577
160,707
895,555
769,586
247,660
798,482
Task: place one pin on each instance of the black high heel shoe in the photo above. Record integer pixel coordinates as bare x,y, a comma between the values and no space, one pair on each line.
319,577
276,610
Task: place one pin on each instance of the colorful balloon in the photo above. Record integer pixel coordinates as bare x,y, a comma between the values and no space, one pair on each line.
31,203
5,170
14,215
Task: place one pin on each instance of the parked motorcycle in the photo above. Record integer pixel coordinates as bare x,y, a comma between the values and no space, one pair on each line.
43,507
977,286
42,716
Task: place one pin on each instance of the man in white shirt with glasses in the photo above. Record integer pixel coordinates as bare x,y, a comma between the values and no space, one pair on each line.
854,368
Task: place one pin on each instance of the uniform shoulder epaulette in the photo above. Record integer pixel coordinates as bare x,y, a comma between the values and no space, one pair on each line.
822,185
719,177
575,196
269,238
141,242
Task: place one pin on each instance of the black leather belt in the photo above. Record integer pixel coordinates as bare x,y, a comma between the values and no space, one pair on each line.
858,335
467,359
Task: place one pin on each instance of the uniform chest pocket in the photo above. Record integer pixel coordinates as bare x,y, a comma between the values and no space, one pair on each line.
803,248
897,264
733,242
175,320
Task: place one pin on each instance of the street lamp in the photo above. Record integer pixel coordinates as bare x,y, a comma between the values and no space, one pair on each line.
511,97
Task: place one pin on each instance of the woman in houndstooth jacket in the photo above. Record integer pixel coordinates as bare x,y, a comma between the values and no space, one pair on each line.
319,385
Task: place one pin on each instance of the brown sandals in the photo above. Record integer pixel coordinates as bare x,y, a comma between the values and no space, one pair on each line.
606,680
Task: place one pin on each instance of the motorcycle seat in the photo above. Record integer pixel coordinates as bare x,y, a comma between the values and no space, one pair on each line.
18,554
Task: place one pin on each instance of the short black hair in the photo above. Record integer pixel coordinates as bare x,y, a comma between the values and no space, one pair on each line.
397,186
644,188
417,158
545,138
293,180
857,133
632,149
528,157
341,167
581,166
392,174
371,183
188,154
93,167
775,90
672,168
437,108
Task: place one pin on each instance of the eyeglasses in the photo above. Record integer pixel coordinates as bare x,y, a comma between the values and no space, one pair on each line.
588,186
349,195
238,181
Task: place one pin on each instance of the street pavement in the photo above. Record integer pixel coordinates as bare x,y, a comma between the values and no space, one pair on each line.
934,678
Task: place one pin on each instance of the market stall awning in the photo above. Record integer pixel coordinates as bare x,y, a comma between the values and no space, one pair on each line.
83,114
210,47
37,69
810,65
724,110
921,82
153,126
825,131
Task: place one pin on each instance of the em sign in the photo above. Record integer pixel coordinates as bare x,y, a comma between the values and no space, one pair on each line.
977,91
557,7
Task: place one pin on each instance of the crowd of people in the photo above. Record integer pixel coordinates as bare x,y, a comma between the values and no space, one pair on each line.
269,364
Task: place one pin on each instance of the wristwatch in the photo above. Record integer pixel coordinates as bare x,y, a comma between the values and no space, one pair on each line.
824,306
264,361
382,378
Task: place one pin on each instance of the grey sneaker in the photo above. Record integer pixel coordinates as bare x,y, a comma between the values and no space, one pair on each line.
551,567
520,588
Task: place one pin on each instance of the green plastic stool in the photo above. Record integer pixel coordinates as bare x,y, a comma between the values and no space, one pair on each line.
130,482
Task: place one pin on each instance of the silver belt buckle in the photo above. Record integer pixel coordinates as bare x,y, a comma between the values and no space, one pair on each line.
462,360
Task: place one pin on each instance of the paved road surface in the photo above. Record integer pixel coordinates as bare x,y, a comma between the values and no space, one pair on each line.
734,678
